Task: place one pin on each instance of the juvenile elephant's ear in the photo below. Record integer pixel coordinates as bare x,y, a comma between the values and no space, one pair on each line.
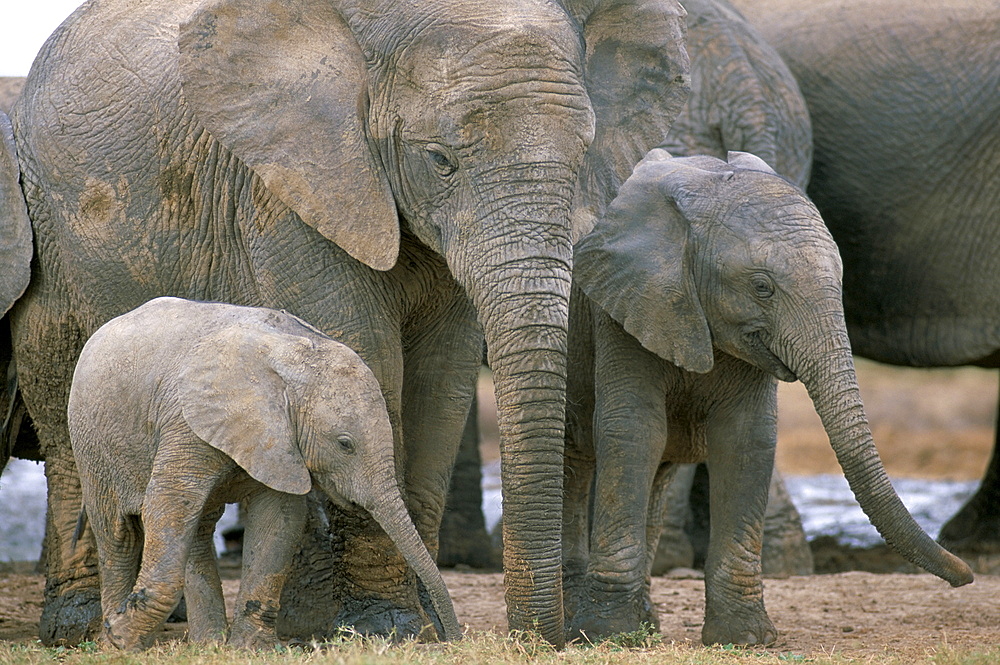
748,161
15,227
638,79
283,85
234,400
636,265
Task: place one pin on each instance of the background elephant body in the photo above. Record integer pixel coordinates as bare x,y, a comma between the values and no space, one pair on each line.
178,407
10,89
907,177
334,159
706,281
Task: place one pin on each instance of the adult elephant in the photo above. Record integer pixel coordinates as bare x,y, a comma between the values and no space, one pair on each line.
743,98
10,88
395,173
907,176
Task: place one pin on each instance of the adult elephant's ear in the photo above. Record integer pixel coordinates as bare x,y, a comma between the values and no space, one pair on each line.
637,265
283,85
638,79
234,400
15,227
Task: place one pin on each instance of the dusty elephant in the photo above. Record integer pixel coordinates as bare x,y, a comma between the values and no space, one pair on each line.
907,175
705,283
744,98
10,89
408,177
178,407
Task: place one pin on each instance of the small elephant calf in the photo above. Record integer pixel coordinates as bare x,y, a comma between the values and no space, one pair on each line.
178,407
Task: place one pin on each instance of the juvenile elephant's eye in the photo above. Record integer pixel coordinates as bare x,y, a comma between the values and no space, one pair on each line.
441,158
762,286
346,443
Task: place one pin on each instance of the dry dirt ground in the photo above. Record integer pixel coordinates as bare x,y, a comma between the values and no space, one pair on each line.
927,423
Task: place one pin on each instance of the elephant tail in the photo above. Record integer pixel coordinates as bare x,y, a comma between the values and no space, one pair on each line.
81,525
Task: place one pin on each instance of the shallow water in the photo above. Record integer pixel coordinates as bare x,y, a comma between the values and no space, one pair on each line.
825,503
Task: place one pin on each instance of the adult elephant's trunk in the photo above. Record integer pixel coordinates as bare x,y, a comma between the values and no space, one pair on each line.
390,512
520,288
827,372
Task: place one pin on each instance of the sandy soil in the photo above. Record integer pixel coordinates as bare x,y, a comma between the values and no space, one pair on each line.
927,423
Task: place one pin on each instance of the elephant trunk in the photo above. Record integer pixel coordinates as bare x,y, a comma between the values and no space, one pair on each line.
521,291
389,510
829,377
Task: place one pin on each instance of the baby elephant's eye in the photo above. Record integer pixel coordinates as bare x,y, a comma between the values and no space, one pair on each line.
346,443
762,285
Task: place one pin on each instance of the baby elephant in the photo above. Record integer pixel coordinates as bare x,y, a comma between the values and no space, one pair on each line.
705,283
178,407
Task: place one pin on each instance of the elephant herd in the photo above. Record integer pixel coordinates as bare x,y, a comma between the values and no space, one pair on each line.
606,194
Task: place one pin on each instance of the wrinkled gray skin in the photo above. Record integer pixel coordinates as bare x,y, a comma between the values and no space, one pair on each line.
178,407
704,283
401,175
10,89
907,176
742,98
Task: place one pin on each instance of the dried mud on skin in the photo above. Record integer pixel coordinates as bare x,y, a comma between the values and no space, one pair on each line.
854,614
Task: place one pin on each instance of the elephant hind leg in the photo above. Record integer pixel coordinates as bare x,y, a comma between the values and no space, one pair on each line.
119,546
206,609
974,531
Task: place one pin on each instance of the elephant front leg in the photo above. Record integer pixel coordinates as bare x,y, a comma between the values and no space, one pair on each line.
630,431
206,609
275,522
740,460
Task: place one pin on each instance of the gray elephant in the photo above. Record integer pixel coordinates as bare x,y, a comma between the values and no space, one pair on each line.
743,98
178,407
706,282
10,89
408,177
907,169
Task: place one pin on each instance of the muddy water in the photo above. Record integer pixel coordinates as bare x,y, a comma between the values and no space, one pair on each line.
825,502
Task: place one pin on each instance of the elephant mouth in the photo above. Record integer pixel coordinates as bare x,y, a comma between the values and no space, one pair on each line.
766,360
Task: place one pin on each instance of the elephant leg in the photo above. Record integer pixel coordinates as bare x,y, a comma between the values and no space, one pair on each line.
741,439
275,521
119,547
46,346
206,609
786,550
630,389
669,513
974,531
171,516
463,539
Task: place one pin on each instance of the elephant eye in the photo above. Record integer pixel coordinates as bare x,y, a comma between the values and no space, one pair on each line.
440,157
762,285
345,443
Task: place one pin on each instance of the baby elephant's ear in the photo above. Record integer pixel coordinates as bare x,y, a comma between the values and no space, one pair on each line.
749,161
233,399
636,266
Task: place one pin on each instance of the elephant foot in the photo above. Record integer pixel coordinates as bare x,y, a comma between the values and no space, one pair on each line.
746,628
973,529
591,617
70,616
382,619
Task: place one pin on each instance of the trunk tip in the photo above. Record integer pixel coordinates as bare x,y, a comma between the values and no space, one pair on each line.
960,573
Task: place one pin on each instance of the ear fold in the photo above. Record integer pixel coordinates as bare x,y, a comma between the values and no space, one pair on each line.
283,85
636,265
637,76
15,227
748,161
233,398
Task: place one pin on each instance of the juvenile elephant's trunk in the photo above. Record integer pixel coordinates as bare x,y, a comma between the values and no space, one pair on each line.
391,514
829,377
521,291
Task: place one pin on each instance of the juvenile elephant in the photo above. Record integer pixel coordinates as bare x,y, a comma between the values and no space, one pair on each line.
907,177
743,97
178,407
705,282
407,176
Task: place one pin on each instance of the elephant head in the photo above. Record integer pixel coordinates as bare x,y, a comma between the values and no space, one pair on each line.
495,136
291,409
697,253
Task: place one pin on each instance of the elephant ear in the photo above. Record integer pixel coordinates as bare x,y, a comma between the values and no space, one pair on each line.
748,161
283,85
637,265
15,227
234,399
638,78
